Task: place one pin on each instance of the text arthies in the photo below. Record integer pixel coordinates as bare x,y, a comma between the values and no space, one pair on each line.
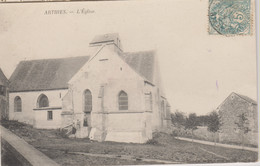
78,11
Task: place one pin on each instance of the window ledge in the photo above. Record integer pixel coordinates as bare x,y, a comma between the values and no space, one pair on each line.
47,108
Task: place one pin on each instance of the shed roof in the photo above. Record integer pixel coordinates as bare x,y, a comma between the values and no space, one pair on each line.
45,74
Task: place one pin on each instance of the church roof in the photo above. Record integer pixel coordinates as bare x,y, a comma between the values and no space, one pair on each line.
3,80
45,74
141,62
50,74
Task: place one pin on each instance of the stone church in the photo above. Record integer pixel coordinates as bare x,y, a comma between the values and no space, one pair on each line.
108,95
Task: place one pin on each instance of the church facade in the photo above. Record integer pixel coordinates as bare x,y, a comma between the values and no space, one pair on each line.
109,95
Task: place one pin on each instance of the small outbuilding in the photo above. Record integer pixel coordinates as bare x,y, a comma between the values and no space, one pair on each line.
230,110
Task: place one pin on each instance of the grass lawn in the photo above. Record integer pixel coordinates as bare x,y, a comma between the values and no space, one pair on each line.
165,147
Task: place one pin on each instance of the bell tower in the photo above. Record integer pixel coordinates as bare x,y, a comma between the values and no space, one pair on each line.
111,38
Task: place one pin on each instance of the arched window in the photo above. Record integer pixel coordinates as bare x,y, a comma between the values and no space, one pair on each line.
123,101
87,101
43,101
17,104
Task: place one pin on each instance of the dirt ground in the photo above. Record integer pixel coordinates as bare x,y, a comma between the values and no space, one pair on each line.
162,147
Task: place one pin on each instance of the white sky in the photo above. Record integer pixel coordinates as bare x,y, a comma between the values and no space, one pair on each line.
191,60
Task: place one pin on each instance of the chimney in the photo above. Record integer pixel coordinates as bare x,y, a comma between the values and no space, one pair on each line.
111,38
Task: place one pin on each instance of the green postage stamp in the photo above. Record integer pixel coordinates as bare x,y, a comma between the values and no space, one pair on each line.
230,17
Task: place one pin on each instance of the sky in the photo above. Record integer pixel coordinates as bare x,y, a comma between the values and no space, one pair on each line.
198,70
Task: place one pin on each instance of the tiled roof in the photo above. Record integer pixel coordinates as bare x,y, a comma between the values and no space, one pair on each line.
247,98
50,74
3,79
141,62
45,74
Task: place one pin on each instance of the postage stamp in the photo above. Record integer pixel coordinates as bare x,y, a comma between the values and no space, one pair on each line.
229,17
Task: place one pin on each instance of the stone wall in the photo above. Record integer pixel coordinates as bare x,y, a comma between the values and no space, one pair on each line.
229,111
29,103
4,104
4,107
105,76
129,127
67,118
41,120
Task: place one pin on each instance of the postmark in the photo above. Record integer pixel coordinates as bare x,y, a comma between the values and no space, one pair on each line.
229,17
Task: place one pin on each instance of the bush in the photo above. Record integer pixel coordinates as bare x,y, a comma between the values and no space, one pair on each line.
174,133
152,142
61,133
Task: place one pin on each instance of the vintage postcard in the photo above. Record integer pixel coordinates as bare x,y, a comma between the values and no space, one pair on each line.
128,82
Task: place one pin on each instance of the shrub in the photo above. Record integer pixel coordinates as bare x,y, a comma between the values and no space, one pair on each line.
174,133
152,142
61,133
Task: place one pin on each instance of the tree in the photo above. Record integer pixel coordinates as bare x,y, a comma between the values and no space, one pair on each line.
214,123
191,123
202,120
178,120
243,126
